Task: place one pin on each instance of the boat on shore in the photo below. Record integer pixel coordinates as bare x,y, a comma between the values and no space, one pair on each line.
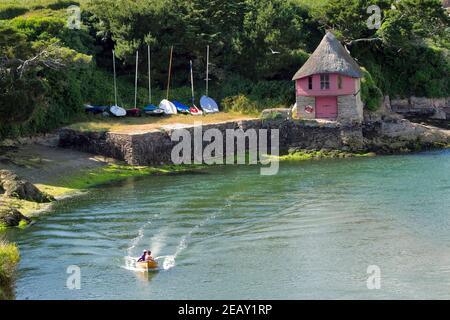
194,110
151,109
118,111
208,104
115,110
95,109
166,105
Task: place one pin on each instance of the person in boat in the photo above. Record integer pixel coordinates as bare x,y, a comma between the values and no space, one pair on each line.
143,257
149,256
146,256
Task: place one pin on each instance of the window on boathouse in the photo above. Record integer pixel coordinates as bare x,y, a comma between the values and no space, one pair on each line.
324,81
339,82
310,83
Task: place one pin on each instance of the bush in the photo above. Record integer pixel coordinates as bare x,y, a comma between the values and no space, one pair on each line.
9,258
371,95
240,104
39,28
11,12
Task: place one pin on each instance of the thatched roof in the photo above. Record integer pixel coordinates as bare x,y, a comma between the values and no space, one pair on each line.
329,57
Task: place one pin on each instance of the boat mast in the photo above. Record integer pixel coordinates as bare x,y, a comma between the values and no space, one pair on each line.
170,71
149,77
207,69
115,83
136,80
192,84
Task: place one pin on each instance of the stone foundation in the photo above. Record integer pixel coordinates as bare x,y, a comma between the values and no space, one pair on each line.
302,102
350,109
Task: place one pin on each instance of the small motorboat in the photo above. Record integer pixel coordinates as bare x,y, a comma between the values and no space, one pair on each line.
181,108
208,105
135,112
118,111
147,265
152,110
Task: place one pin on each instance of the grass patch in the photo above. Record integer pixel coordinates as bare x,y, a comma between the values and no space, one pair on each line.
129,125
86,179
9,258
302,155
114,172
25,207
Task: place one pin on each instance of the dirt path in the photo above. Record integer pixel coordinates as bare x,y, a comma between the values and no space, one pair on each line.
43,163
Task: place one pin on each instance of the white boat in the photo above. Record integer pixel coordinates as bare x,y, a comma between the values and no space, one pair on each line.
168,107
118,111
115,109
208,105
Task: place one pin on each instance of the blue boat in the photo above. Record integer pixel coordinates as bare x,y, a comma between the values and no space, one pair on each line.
95,109
153,110
181,107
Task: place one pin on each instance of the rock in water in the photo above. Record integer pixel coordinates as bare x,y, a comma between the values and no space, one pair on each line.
13,186
11,217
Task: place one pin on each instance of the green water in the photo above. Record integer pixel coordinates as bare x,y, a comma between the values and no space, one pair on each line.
309,232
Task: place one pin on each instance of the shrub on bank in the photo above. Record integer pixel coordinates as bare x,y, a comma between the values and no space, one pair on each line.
371,95
9,258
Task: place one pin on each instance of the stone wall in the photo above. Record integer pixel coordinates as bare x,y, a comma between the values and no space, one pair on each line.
381,133
155,148
302,102
350,109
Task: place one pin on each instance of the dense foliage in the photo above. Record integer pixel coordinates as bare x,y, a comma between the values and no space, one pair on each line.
408,55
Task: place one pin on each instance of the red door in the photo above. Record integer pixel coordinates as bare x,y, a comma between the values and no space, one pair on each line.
326,108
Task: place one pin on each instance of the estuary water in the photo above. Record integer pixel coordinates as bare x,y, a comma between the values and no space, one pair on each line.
310,232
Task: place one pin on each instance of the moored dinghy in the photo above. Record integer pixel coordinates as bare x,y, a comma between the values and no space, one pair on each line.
115,110
168,107
151,109
207,104
193,109
135,112
95,109
181,108
118,111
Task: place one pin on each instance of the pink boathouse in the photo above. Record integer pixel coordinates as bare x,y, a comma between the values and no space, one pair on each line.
328,85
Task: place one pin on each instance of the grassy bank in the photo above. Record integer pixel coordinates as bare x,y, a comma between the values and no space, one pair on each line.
9,258
302,155
85,179
99,123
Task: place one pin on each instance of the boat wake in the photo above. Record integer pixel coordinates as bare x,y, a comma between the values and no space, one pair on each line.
158,241
170,261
